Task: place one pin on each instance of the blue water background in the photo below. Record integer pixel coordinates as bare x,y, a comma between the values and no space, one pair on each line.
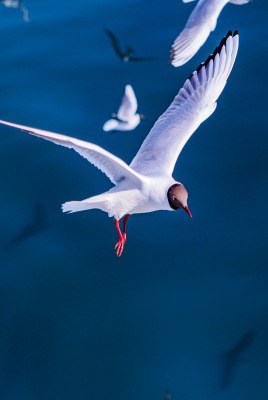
76,322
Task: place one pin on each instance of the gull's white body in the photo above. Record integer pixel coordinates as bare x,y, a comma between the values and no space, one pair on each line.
11,3
142,186
146,195
126,118
201,22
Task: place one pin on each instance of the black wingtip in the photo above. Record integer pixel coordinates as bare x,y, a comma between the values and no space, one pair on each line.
216,51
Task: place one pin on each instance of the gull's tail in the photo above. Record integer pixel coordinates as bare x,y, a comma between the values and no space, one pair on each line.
238,2
110,125
100,202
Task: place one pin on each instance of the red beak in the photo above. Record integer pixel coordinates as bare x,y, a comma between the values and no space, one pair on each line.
186,208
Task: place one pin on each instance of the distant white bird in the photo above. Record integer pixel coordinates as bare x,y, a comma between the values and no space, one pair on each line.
17,4
126,118
201,22
147,184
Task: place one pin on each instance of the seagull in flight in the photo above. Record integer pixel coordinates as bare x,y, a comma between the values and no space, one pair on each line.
126,118
17,4
201,22
37,223
231,358
128,53
147,184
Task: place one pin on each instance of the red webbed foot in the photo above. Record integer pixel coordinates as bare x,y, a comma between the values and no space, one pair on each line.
119,247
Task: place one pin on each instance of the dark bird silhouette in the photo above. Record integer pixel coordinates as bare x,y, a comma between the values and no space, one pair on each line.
167,395
128,54
37,223
231,358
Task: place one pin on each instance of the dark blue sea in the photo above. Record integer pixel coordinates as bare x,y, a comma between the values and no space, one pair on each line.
183,314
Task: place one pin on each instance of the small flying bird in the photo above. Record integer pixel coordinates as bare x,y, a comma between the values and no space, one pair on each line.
128,54
231,358
147,184
201,22
17,4
126,118
37,223
167,395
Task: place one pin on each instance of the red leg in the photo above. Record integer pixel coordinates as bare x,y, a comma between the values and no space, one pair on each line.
119,247
126,217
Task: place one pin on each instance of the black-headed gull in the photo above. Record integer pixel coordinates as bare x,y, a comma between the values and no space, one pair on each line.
128,53
167,395
201,22
147,184
126,118
37,223
230,358
17,4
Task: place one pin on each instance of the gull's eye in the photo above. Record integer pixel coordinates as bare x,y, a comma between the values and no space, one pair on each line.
174,198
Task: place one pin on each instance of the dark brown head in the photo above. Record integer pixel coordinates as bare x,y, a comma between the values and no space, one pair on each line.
177,197
142,117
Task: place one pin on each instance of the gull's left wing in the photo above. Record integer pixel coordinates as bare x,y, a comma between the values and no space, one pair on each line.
195,102
129,104
113,167
115,43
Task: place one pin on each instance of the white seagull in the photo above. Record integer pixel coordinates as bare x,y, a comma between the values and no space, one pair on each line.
147,184
201,22
127,117
17,4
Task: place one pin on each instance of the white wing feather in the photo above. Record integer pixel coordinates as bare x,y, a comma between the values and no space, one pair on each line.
188,43
201,22
195,102
115,168
129,104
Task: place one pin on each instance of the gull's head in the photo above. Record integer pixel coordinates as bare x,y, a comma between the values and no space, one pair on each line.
177,197
142,117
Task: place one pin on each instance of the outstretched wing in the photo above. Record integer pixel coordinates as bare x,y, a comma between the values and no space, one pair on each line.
201,22
188,43
114,43
25,12
129,104
112,166
195,102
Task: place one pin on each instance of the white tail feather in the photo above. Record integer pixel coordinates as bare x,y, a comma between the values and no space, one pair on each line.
74,206
110,125
99,202
239,2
